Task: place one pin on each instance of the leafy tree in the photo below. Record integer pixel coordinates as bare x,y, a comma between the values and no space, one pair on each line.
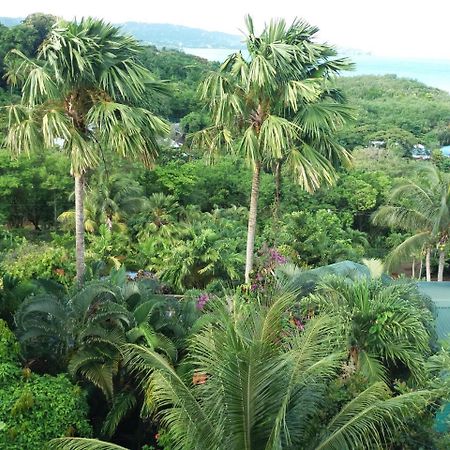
79,94
33,189
249,98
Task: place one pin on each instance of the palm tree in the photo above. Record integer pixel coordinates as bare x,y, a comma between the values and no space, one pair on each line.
251,383
387,325
422,209
254,102
84,332
80,95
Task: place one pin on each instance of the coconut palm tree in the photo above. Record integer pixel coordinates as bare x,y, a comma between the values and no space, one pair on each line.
254,100
422,209
80,95
252,383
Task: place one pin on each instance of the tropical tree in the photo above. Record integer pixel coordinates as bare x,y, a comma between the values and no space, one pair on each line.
79,95
254,103
201,248
423,209
83,332
386,325
251,383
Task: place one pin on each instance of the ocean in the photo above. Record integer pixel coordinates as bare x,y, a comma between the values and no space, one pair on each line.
433,72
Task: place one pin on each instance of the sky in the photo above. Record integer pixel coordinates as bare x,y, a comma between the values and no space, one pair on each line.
398,28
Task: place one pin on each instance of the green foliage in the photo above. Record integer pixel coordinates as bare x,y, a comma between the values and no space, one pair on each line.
34,408
9,347
398,111
245,387
29,261
26,37
320,238
33,189
387,326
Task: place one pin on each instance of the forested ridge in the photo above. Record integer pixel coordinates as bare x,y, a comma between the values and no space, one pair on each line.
207,197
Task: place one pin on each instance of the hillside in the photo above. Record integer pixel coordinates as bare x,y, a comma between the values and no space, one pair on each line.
167,35
395,109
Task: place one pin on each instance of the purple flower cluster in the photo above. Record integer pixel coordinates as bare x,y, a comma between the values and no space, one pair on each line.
276,257
299,324
202,299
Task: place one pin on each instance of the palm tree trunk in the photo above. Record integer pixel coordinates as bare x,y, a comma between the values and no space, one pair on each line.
413,268
79,228
441,265
420,267
428,264
252,221
277,174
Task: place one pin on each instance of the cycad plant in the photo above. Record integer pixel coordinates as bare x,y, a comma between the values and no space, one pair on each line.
257,107
84,332
387,325
80,95
250,381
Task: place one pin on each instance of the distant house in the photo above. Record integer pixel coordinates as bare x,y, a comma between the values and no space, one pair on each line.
419,151
377,144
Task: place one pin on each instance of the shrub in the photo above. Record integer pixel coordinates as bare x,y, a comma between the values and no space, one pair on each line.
39,261
35,408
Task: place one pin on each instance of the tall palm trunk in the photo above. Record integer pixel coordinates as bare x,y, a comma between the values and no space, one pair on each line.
428,264
413,268
252,221
277,175
441,265
79,227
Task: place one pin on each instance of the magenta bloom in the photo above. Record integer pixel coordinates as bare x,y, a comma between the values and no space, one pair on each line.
202,299
276,257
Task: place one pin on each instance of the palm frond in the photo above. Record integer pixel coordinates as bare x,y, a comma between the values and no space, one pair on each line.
369,420
82,444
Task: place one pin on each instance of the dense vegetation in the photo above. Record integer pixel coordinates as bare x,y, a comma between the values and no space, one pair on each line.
161,326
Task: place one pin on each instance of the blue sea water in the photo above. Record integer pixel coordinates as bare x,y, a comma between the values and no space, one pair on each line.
435,73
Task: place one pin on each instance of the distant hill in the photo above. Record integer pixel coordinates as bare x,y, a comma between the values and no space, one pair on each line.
167,35
177,36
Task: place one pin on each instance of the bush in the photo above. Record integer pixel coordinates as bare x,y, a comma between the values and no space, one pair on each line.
34,408
47,261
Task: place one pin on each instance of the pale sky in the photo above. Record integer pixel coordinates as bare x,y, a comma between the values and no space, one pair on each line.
401,28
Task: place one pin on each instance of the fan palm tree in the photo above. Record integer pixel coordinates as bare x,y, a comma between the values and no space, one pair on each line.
158,215
254,100
422,209
80,95
250,383
318,120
